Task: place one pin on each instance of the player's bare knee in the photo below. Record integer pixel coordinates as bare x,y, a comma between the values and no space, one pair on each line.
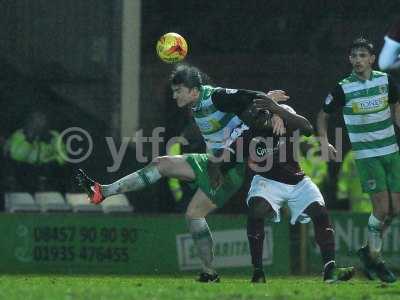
381,213
193,214
161,162
259,208
156,161
188,215
316,210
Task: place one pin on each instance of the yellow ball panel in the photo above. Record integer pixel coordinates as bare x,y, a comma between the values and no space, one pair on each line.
172,47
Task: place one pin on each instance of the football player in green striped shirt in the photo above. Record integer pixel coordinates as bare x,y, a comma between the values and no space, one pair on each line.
215,111
368,101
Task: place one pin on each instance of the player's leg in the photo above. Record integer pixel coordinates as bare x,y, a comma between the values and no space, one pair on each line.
393,181
375,180
199,207
382,270
395,198
323,230
264,199
306,202
370,254
386,205
164,166
325,239
258,210
376,222
204,201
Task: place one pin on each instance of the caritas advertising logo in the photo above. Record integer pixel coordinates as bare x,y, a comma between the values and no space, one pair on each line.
231,249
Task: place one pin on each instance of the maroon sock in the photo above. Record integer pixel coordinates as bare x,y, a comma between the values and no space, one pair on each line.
255,235
324,233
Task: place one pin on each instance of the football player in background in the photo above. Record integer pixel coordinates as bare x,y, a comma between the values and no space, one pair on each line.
368,100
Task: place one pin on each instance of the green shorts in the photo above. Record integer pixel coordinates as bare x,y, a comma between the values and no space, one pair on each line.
233,179
381,173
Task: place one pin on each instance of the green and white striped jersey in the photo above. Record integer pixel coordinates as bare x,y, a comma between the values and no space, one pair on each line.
220,127
366,113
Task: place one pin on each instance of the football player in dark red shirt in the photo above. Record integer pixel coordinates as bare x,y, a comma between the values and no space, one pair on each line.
279,180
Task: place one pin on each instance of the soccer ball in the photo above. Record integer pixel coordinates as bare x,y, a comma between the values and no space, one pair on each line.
171,47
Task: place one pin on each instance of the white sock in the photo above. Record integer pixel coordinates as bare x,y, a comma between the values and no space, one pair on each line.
375,227
203,241
133,182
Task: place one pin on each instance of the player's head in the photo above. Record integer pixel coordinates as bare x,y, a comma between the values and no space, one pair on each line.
185,82
362,55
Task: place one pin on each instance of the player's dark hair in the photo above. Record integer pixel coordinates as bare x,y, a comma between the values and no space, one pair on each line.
189,76
362,43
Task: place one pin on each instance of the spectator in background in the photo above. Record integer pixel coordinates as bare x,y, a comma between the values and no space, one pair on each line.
389,57
35,155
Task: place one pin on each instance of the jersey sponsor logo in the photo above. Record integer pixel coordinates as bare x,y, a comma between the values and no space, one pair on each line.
328,99
231,91
370,105
262,150
265,147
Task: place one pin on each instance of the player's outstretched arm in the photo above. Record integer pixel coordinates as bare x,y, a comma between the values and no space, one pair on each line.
389,56
293,120
278,95
237,100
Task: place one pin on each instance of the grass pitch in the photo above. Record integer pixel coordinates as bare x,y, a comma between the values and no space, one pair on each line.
27,287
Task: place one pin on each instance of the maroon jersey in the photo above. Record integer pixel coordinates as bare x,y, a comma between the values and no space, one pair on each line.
394,31
272,156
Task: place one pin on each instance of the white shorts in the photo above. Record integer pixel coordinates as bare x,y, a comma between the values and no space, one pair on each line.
298,197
